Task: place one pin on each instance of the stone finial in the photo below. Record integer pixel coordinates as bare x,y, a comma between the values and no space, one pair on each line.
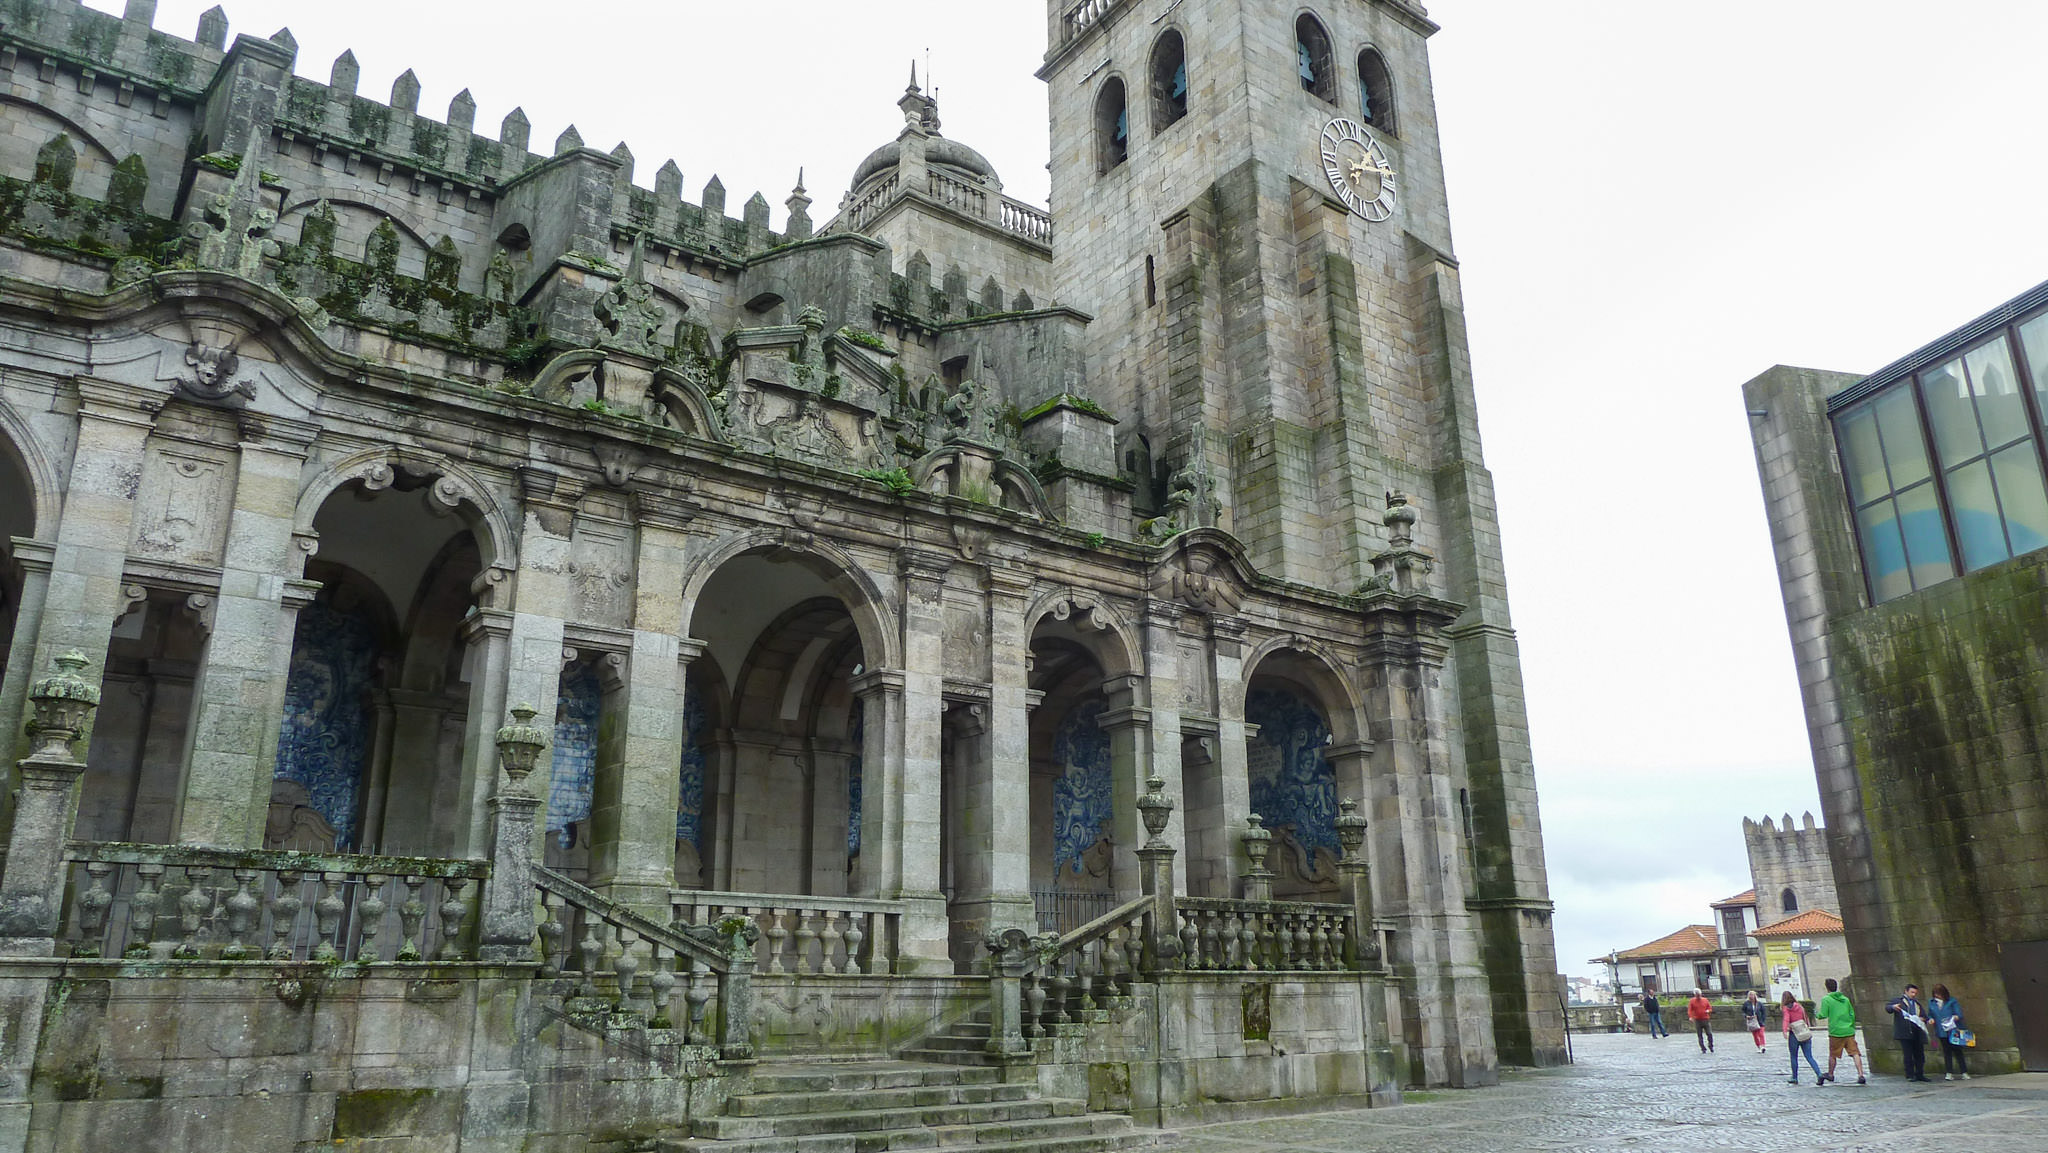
141,12
462,111
1809,822
213,28
1350,827
346,73
799,206
569,141
1399,519
1023,302
515,129
520,743
918,271
1257,842
1155,808
405,92
63,703
624,156
668,183
756,211
284,39
714,195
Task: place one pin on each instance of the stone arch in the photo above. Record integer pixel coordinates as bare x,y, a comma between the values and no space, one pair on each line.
1089,621
1315,62
1112,124
1378,104
96,161
18,448
1170,79
855,586
1301,705
1312,666
349,240
687,406
454,489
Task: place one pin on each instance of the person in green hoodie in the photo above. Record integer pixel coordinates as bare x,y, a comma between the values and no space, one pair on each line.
1841,1018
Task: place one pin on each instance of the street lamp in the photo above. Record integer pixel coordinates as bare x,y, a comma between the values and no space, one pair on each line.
1803,946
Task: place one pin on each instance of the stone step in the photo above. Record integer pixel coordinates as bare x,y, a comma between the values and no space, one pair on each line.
957,1041
958,1058
861,1076
1086,1133
915,1097
854,1121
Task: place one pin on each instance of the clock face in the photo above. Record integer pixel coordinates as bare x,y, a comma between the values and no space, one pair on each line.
1358,170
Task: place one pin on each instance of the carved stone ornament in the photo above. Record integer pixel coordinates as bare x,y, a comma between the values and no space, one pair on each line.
210,372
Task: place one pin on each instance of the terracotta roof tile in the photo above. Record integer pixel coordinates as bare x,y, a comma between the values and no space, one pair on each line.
1813,922
1691,941
1746,897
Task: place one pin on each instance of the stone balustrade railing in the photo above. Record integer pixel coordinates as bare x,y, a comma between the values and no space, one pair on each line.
635,965
805,935
956,193
1272,936
861,211
186,903
1082,16
1026,221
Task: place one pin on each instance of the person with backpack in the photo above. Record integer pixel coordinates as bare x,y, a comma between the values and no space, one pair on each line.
1840,1015
1955,1036
1753,1011
1799,1038
1701,1011
1655,1012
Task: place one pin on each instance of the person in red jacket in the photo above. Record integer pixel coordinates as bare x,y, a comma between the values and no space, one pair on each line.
1701,1011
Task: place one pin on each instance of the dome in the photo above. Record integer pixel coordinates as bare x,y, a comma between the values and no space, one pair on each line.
938,152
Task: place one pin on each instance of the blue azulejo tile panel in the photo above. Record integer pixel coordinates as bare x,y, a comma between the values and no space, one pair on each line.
856,735
690,795
1081,793
574,774
324,737
1292,783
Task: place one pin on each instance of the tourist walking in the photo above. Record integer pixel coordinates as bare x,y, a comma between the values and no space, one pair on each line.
1701,1011
1655,1012
1955,1037
1799,1039
1840,1015
1753,1016
1909,1029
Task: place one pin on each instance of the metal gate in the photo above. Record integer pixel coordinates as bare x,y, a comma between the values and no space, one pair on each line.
2026,992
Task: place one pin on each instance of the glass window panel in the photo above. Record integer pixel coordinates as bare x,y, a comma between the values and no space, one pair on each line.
1950,411
1905,450
2020,496
1926,543
1884,557
1862,457
2034,341
1997,389
1980,531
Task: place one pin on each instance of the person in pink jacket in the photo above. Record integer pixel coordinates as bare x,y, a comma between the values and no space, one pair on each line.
1794,1013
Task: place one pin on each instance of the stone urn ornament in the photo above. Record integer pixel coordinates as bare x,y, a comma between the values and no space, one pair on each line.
1350,828
63,702
1155,809
520,744
1257,843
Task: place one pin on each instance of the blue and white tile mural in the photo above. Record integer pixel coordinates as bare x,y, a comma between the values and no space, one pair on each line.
323,739
690,796
857,736
1081,794
1292,782
575,764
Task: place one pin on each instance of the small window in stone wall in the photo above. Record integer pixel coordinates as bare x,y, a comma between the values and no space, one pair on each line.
1112,126
1375,91
1788,902
1169,80
1313,61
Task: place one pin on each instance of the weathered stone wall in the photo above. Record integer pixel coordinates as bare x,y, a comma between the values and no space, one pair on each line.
1788,858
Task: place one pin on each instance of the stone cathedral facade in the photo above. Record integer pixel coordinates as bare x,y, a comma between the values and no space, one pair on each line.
1071,643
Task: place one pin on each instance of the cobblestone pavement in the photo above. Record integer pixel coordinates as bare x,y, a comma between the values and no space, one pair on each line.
1632,1093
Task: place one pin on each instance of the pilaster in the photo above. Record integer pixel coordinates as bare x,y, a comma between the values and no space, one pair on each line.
926,943
1006,790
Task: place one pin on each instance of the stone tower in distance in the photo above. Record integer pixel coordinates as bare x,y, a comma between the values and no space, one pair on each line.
1250,202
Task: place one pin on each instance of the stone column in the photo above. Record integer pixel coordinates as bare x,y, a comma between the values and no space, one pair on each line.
1362,951
1129,727
32,884
633,817
1233,769
878,870
969,826
1001,801
488,637
34,557
506,934
84,588
239,693
1163,691
1162,922
926,937
1010,950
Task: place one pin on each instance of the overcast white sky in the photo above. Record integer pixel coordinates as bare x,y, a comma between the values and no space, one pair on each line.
1652,202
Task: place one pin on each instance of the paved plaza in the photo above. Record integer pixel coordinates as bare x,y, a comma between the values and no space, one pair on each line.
1628,1092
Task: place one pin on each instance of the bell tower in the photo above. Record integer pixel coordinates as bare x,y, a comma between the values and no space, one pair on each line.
1248,197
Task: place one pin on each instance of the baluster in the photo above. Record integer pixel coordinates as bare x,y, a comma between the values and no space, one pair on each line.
412,912
590,951
92,911
284,915
830,941
1283,940
142,908
553,936
193,909
1084,973
1034,1001
661,983
1115,956
805,935
1248,941
1324,940
370,915
1060,985
854,937
454,912
626,965
1191,941
242,909
776,935
1304,942
695,994
327,918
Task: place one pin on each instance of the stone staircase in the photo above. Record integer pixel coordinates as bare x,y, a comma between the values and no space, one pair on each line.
871,1106
963,1043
